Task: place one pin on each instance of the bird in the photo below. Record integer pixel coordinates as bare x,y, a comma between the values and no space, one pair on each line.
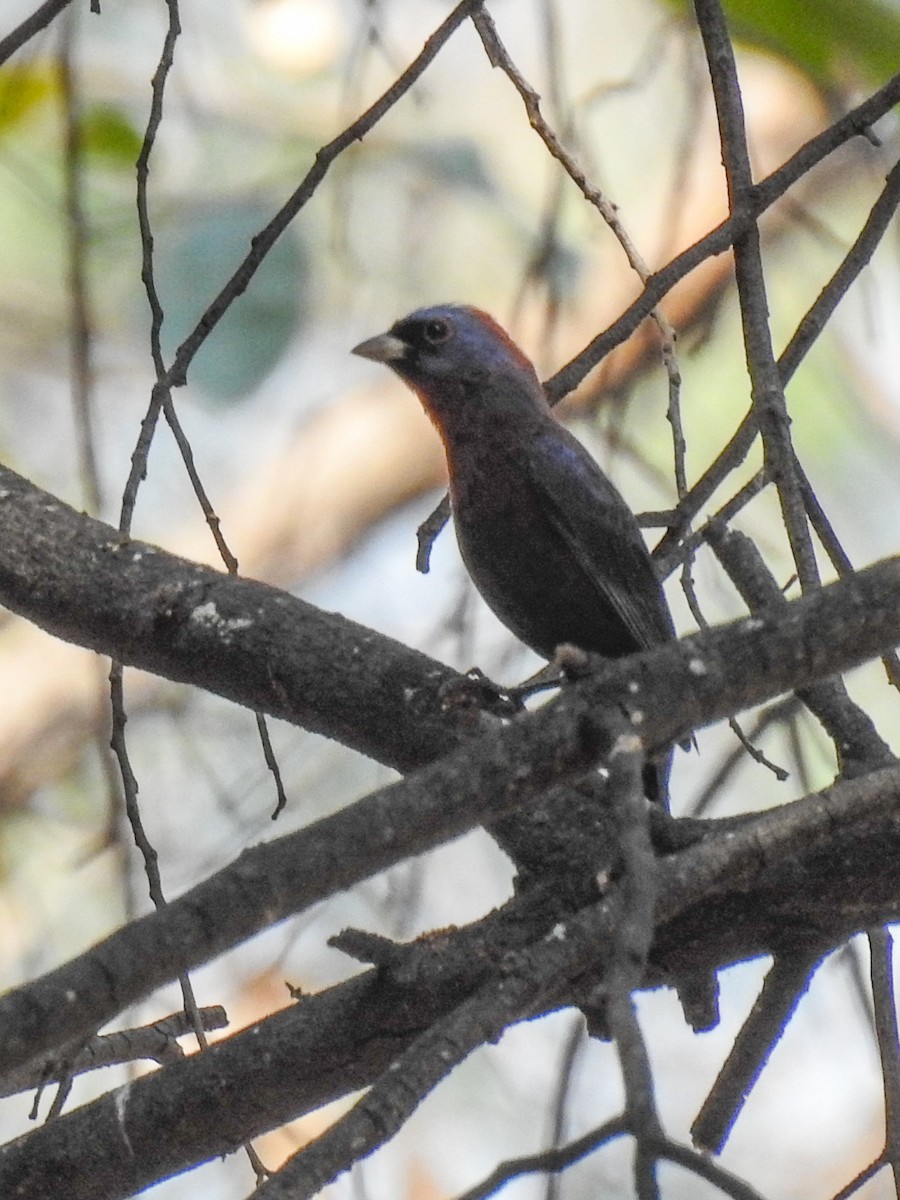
546,537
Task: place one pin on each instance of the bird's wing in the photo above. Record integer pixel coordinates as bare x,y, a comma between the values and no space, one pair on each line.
600,531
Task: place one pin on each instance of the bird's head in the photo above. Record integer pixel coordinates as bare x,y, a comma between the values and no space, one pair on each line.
460,363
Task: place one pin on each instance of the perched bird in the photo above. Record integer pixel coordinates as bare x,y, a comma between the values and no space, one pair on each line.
546,537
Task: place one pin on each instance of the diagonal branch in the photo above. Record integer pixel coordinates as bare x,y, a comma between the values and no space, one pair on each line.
339,1041
767,388
812,324
325,156
265,649
786,983
718,240
759,197
25,30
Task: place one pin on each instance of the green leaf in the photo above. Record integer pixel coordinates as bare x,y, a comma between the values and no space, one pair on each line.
108,134
23,89
825,38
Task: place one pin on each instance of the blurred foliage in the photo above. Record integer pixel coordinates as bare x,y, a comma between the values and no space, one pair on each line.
106,130
452,197
833,41
25,88
196,259
108,134
454,162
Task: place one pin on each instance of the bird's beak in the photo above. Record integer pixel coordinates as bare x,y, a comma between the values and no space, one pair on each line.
386,348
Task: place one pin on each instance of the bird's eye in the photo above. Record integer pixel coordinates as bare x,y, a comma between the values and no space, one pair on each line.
436,330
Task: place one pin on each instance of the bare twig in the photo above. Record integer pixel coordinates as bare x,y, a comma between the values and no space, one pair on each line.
499,57
575,1039
776,714
862,1178
858,745
25,31
156,1042
263,241
787,981
565,1156
853,262
143,843
687,586
81,331
549,1161
881,946
767,385
718,240
148,426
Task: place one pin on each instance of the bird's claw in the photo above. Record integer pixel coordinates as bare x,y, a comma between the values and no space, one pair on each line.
473,693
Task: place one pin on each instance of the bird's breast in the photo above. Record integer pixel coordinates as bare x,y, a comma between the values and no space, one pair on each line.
524,570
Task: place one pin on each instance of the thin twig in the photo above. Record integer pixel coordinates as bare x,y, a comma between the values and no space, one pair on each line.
684,551
26,30
187,457
262,726
499,57
148,426
549,1161
881,946
788,979
263,242
777,713
554,1161
575,1039
717,241
863,1177
767,385
132,809
81,330
155,1042
746,743
857,257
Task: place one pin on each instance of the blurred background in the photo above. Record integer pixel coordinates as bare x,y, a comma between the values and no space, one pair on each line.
321,466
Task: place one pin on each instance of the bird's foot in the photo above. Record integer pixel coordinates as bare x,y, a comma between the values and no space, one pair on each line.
473,693
543,680
568,663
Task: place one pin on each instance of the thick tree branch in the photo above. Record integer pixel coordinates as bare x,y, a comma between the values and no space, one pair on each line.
263,648
80,580
827,861
858,745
